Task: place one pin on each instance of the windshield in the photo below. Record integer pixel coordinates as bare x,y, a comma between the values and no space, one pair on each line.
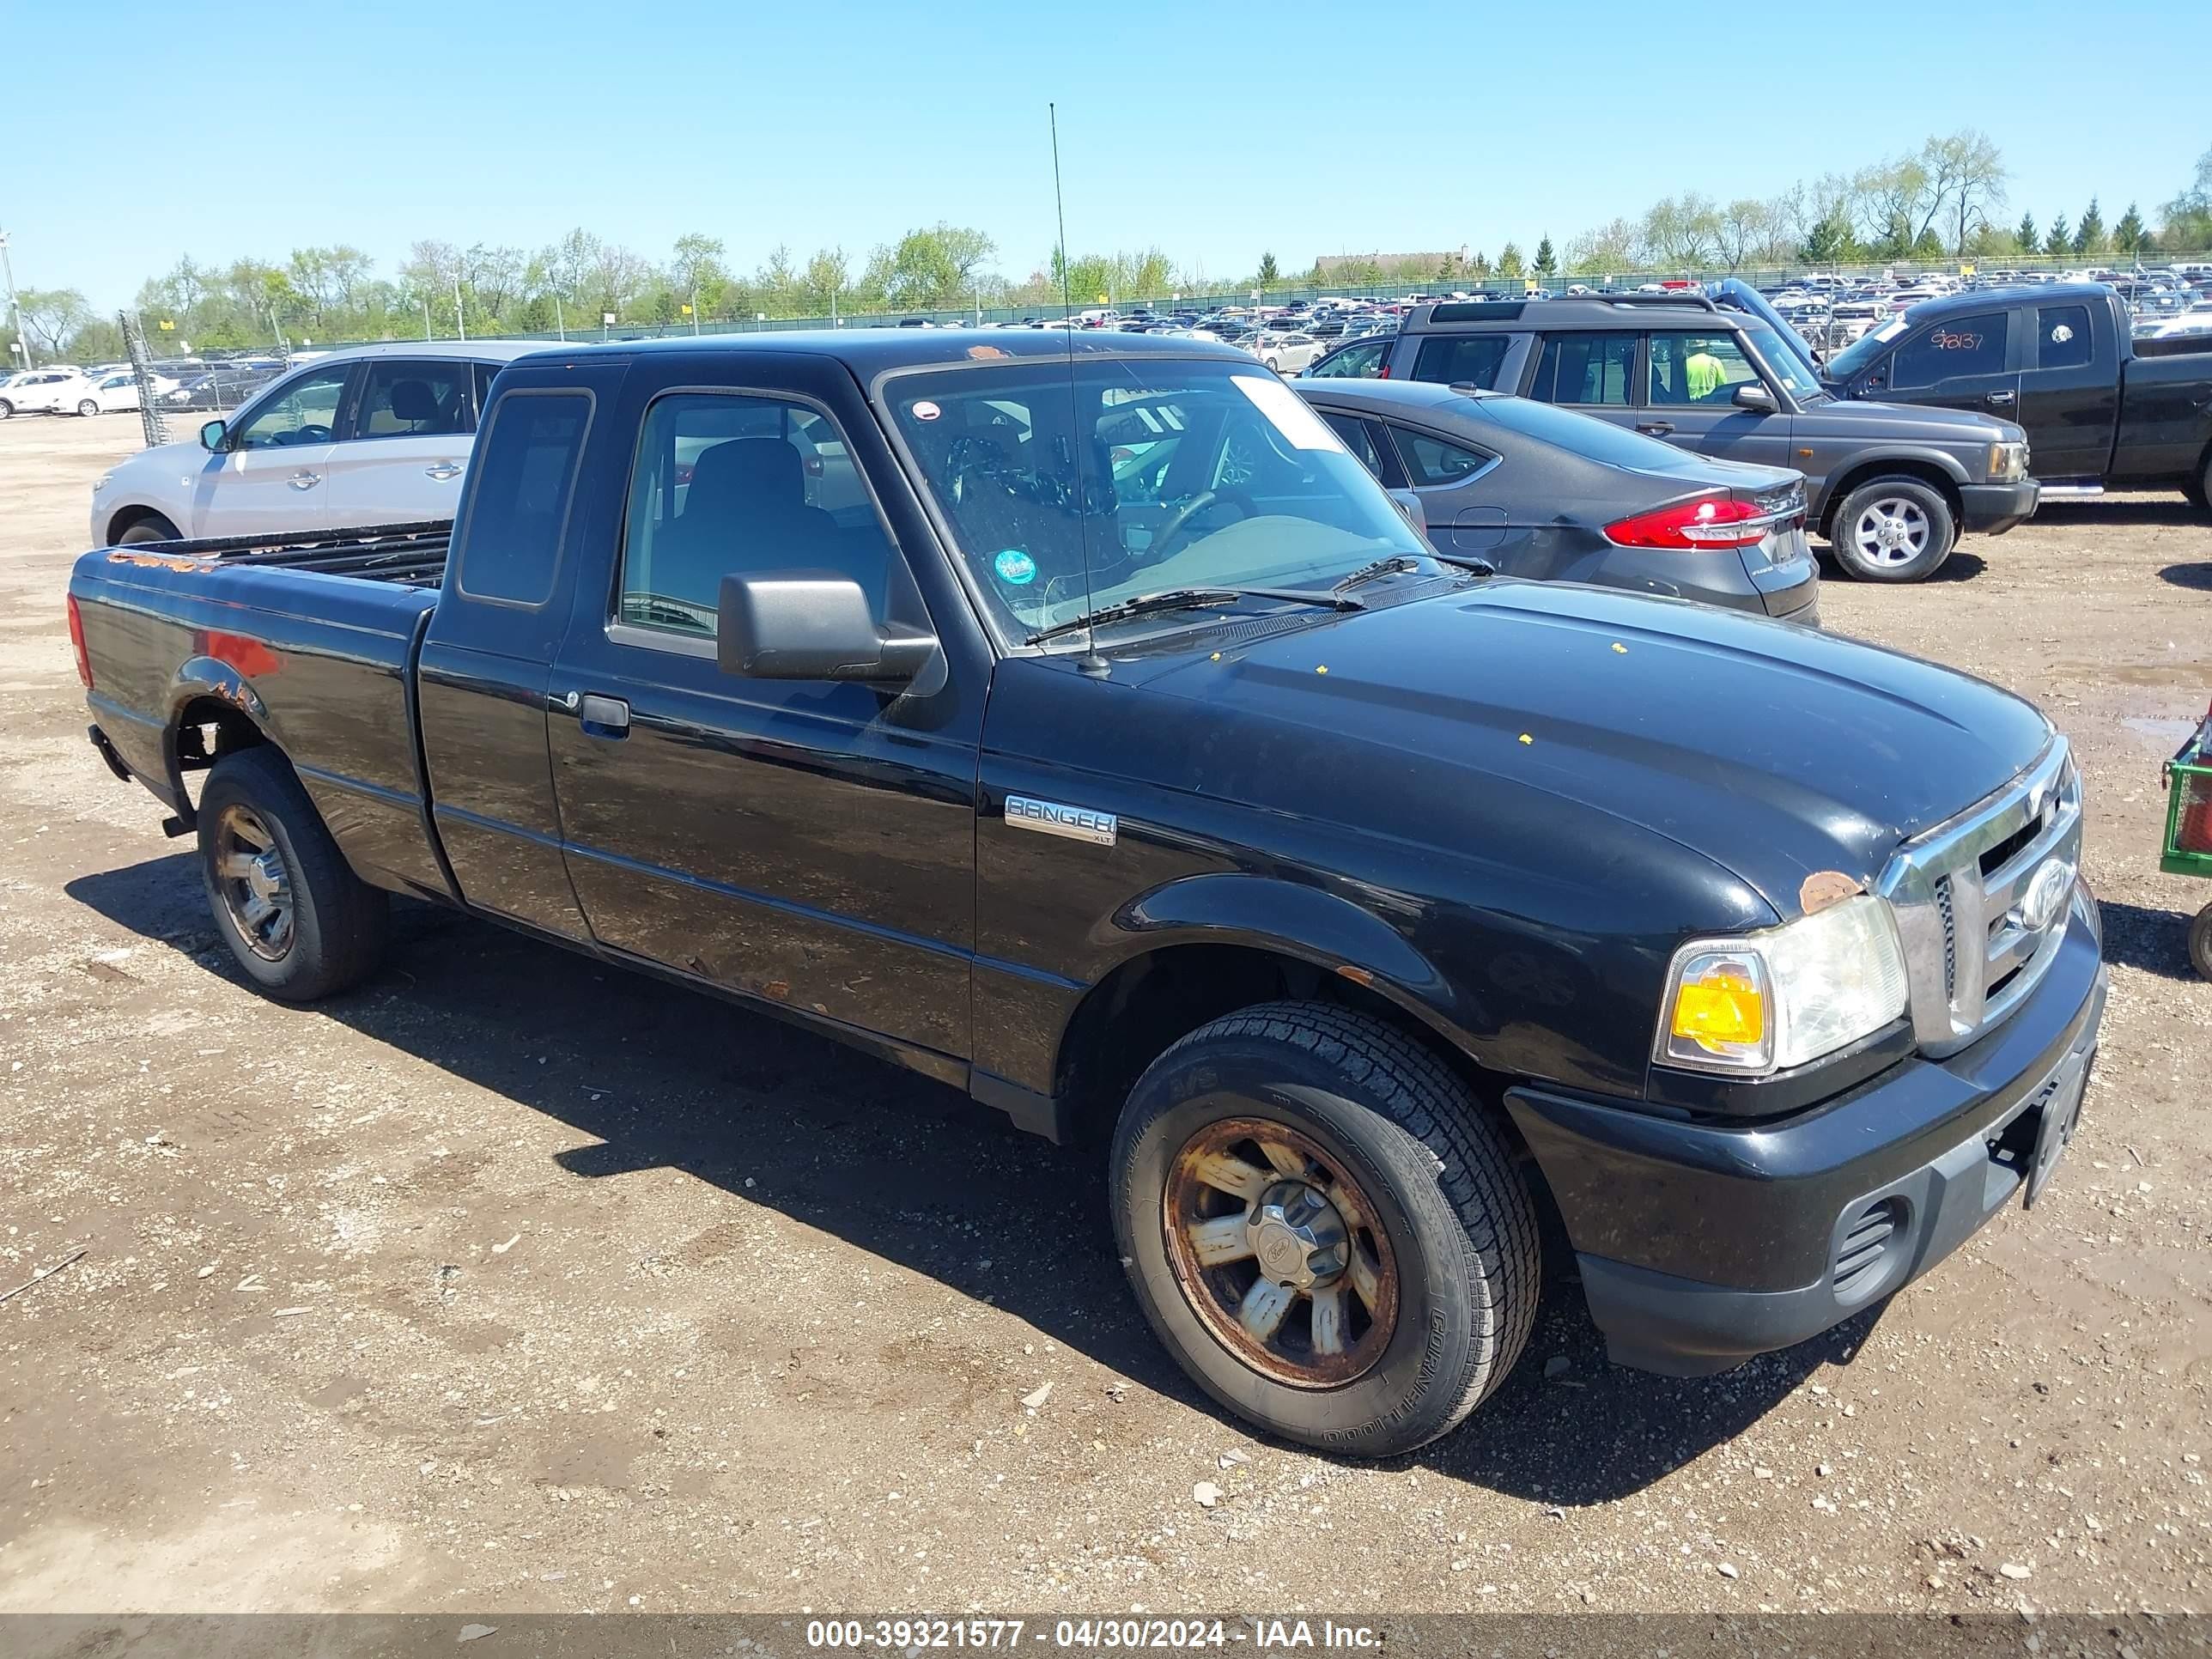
1845,364
1784,364
1073,487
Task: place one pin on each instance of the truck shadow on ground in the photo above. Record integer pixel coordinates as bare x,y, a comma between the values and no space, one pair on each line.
2175,510
2154,941
916,1173
1961,566
2196,576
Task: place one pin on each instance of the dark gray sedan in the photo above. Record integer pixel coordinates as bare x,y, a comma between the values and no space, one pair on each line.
1544,493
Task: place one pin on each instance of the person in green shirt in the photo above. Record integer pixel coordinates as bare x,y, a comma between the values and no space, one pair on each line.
1702,373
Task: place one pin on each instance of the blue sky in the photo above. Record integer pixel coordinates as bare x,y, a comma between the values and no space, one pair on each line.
1217,133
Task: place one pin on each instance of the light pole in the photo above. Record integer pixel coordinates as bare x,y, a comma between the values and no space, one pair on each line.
695,308
426,321
460,323
559,323
14,310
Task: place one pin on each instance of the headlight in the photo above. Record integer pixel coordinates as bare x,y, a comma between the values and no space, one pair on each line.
101,481
1770,1001
2007,463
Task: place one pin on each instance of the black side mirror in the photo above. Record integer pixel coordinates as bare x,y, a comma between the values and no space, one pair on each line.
1753,396
812,625
211,436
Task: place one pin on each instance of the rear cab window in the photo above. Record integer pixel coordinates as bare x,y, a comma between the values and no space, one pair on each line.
2062,336
525,477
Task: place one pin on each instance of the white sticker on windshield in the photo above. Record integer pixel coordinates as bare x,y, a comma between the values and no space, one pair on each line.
1287,412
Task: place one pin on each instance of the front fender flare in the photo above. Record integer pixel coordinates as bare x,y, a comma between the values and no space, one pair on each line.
1328,929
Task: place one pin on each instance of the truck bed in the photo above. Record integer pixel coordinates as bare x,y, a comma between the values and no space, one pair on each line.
306,640
411,554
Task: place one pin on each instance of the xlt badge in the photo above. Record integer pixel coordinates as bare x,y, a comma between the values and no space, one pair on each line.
1053,819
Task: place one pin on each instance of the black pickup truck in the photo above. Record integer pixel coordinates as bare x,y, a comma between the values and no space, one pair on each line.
2100,410
1072,718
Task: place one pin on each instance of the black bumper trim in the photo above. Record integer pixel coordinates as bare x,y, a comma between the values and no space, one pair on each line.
1990,510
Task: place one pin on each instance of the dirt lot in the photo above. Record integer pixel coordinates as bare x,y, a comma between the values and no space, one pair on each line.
511,1283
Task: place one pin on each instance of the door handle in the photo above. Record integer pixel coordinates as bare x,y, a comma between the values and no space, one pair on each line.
304,480
603,717
2000,400
441,471
1655,428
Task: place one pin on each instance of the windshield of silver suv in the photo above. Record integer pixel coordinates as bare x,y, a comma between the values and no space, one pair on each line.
1071,488
1783,364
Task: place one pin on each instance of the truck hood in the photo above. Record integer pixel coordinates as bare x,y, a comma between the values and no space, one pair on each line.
1868,421
1774,751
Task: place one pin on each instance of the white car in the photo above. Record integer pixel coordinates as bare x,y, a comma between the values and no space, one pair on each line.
1284,353
370,435
37,390
104,394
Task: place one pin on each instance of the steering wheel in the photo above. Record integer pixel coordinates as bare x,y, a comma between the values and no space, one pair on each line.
1180,521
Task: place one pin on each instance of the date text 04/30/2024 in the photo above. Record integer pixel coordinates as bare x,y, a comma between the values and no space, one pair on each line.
904,1635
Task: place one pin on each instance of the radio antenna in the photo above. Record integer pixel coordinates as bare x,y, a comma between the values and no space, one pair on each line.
1060,209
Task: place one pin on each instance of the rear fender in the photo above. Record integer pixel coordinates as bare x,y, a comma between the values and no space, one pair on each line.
205,679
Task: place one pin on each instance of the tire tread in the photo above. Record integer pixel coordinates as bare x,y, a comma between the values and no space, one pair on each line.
1420,1094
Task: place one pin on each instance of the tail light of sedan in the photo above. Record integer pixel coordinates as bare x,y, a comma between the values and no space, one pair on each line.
1703,522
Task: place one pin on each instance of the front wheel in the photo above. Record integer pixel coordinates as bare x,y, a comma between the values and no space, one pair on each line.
151,528
87,407
1324,1227
2200,942
1893,530
6,410
297,919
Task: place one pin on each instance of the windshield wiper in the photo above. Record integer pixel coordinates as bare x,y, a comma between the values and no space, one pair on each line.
1385,567
1191,598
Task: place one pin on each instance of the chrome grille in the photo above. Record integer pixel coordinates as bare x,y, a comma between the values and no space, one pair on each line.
1957,892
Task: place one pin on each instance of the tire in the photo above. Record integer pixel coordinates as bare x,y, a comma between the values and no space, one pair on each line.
6,410
2200,490
1912,515
1449,1237
1274,365
87,407
2200,942
337,922
151,528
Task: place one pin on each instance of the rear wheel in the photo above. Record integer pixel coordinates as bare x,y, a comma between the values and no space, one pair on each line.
2199,490
151,528
1324,1227
2200,942
86,406
7,409
1893,530
297,919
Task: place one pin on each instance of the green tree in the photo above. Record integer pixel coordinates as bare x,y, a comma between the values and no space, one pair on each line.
825,279
1510,266
1830,242
696,267
2027,236
2131,235
2188,217
1269,273
1547,262
1929,246
2089,235
2060,242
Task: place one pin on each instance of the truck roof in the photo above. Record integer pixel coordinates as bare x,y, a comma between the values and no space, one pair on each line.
869,351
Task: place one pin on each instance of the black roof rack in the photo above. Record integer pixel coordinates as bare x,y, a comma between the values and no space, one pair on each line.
1703,300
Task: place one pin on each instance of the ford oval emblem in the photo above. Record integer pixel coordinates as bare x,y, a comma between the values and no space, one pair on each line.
2045,897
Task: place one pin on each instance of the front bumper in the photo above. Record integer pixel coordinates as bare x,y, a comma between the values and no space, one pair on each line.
1990,510
1701,1246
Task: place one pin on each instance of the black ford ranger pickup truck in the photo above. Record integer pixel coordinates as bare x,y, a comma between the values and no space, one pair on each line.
1070,718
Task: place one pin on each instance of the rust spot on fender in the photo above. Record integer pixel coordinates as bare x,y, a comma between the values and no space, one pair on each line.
1825,889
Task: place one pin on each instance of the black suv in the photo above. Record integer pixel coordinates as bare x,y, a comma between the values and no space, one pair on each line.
1889,486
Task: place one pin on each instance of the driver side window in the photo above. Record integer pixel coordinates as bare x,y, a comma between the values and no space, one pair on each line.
303,413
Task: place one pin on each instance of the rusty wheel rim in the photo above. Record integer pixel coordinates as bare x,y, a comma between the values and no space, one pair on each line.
256,888
1279,1253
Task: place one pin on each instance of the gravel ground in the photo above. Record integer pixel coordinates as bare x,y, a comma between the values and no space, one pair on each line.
509,1282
